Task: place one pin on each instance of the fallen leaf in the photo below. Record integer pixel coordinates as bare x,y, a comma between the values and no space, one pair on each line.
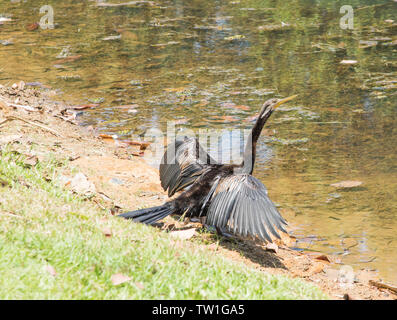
119,278
322,257
30,161
108,138
143,145
272,247
85,106
183,234
107,232
51,270
140,285
347,184
81,185
138,154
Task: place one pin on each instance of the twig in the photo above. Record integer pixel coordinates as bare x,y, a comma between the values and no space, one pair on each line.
372,6
27,108
11,215
32,124
98,204
383,286
4,121
65,119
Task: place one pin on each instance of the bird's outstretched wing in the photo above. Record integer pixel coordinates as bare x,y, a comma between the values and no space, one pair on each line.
240,204
183,162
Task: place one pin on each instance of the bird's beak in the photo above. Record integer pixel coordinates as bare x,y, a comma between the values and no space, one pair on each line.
282,101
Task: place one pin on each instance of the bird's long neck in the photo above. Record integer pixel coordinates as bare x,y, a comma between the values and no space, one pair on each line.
247,165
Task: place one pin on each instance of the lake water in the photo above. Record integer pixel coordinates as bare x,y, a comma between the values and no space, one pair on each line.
211,65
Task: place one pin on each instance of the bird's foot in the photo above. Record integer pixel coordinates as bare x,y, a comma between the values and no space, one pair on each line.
220,232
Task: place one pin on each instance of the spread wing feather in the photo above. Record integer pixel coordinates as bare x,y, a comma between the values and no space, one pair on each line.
240,203
183,162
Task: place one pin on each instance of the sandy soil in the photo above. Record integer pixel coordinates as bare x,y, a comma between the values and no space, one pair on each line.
34,124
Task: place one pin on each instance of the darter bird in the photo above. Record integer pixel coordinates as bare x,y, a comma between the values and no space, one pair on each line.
228,195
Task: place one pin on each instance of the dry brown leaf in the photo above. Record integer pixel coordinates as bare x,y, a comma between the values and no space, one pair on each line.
323,257
107,232
183,234
143,145
119,278
86,106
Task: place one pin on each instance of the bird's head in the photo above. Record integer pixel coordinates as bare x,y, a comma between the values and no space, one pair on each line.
270,105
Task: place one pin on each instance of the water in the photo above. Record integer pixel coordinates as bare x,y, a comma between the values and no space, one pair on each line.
211,64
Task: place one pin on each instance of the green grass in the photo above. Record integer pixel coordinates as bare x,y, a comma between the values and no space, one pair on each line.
42,224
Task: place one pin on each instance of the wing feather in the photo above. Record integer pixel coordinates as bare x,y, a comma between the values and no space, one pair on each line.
241,204
181,168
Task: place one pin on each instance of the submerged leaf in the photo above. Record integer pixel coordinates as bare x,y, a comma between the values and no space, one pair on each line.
347,184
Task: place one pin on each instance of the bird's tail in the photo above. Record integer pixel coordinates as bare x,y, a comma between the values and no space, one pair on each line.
149,215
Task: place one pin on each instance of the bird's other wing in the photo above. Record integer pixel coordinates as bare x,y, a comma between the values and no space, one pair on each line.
183,162
240,204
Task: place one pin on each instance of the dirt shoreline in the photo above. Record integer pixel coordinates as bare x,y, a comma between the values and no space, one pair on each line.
33,123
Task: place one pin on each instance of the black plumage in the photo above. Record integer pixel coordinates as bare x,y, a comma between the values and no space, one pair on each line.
228,195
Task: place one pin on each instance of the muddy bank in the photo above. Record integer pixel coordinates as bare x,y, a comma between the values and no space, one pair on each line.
116,178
